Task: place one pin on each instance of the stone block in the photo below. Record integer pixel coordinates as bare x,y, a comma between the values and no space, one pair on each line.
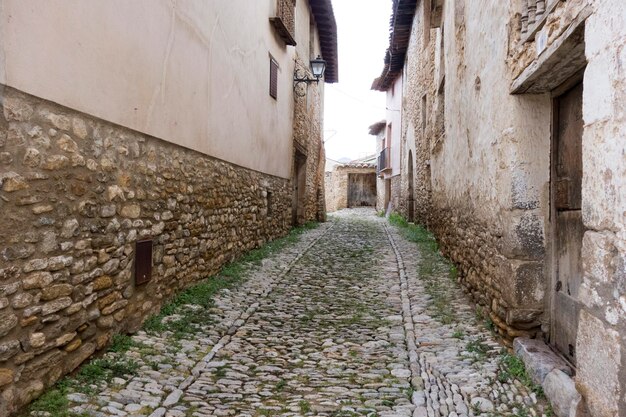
131,211
8,321
6,376
597,255
524,237
9,349
18,251
56,291
598,360
32,158
22,300
560,390
522,284
56,305
16,109
539,359
55,162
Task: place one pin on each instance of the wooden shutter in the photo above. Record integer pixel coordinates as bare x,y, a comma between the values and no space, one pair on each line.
273,78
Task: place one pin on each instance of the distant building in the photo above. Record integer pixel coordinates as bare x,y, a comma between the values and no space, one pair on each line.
383,186
352,184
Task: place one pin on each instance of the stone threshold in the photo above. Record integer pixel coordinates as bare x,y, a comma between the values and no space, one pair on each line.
553,374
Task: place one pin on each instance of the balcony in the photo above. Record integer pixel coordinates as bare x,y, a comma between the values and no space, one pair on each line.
533,17
285,21
383,161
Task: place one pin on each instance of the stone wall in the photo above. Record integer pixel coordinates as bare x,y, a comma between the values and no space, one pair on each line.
482,167
308,116
601,344
417,118
476,185
337,185
76,195
398,203
380,194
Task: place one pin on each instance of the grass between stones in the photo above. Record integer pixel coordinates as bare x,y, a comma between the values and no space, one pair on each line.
512,367
190,309
432,266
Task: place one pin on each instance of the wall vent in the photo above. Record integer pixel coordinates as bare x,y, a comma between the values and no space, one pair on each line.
143,261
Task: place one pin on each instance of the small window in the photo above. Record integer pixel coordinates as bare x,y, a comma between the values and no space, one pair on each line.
273,78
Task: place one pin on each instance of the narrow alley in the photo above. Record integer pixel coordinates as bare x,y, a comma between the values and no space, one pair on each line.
352,319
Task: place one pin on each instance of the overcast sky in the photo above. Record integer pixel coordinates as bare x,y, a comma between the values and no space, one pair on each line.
350,105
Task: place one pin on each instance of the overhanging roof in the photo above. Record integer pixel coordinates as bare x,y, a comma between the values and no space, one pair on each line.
400,34
327,28
378,127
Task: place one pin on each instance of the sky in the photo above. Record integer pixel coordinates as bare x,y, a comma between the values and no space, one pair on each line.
350,106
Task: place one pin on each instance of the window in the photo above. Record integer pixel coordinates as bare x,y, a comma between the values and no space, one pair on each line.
273,78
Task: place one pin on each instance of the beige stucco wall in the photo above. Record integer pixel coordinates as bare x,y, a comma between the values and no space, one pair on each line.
394,104
487,120
187,72
601,344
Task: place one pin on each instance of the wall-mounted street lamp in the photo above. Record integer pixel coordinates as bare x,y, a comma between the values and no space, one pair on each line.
318,66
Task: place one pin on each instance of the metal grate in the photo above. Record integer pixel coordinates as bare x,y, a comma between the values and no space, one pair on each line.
273,78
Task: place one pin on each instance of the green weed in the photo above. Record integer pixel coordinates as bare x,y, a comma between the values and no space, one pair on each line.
121,343
193,304
478,347
512,367
305,407
432,265
281,385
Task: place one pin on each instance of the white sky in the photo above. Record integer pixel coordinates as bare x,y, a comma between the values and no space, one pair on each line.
350,105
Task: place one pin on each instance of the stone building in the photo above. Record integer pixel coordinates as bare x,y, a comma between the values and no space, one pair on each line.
143,145
389,156
383,187
512,146
353,184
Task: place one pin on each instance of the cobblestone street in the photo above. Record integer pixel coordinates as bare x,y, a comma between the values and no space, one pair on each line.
347,321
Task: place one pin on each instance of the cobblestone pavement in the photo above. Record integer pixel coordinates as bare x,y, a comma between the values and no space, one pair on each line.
338,324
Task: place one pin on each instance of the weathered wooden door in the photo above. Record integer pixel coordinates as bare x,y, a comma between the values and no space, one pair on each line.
568,229
361,190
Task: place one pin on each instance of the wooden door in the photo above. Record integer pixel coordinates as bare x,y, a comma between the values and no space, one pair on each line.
568,229
361,190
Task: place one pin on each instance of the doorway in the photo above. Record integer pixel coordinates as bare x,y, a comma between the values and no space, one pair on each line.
566,215
299,187
362,190
411,197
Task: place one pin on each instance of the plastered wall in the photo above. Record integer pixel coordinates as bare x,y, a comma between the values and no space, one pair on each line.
184,72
